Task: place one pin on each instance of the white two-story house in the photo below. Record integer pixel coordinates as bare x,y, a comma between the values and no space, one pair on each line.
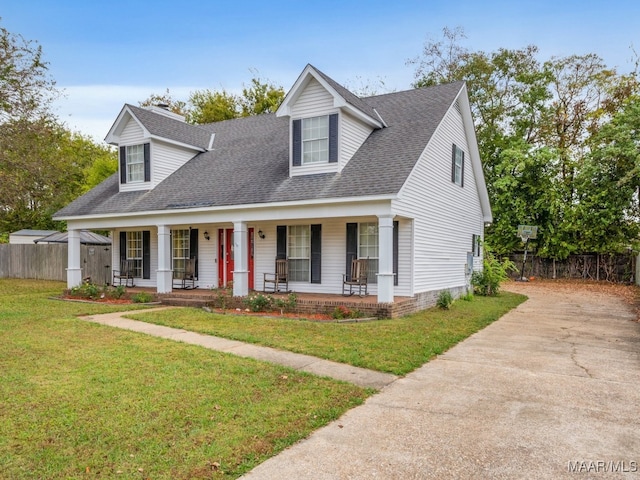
394,178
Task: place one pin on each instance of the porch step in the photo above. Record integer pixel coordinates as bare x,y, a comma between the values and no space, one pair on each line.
197,302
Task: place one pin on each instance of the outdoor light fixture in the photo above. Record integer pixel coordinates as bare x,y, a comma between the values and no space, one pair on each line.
206,236
261,234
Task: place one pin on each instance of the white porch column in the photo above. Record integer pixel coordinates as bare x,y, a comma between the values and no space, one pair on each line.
164,273
74,272
385,259
240,260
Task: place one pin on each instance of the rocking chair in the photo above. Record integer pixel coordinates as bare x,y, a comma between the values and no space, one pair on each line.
357,278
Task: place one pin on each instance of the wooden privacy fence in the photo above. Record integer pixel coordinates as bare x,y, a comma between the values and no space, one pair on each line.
49,262
618,268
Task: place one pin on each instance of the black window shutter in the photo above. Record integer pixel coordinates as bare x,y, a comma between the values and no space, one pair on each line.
297,143
146,254
193,248
395,251
123,246
316,253
453,163
281,242
352,246
123,164
147,162
462,169
333,138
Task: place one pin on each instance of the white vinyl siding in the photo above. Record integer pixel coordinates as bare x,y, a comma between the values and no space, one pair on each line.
166,159
133,135
353,133
314,101
445,215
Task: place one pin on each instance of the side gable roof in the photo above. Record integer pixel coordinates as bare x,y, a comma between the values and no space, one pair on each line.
161,127
249,163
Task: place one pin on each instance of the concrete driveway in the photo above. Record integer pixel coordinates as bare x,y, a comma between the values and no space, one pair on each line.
551,390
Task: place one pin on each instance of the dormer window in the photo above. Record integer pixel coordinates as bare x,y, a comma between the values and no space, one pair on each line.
315,140
135,163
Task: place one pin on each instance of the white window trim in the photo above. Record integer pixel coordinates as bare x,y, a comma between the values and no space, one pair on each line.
372,259
139,161
458,166
312,140
134,247
308,250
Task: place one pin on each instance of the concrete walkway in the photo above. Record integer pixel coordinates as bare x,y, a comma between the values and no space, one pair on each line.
306,363
551,390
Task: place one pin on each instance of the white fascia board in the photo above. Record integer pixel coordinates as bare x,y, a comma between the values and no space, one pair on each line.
113,137
472,141
294,92
470,133
174,142
338,100
322,208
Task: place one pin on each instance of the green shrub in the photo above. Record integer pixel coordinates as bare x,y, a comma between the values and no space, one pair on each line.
142,297
86,290
257,302
494,272
116,292
444,300
286,305
467,297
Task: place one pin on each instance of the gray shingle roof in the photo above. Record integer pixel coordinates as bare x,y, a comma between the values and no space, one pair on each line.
165,127
349,97
249,163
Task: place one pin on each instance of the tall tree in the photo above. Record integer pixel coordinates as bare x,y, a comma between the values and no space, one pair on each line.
533,120
26,90
207,106
212,106
174,105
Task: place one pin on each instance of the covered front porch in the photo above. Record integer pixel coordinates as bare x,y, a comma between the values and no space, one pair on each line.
239,254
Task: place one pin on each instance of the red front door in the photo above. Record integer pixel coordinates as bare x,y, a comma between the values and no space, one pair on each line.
225,256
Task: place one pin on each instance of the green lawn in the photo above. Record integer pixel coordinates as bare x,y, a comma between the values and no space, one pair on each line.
397,346
80,400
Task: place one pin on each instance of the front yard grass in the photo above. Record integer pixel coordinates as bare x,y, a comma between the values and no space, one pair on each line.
80,400
396,346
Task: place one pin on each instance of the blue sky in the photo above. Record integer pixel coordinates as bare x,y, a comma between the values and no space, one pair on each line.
104,54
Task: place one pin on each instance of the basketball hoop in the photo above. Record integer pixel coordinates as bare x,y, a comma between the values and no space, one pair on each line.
526,233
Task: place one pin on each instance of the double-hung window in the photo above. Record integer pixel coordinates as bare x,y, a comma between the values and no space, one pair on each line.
180,248
134,251
299,253
368,247
315,140
135,163
457,166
